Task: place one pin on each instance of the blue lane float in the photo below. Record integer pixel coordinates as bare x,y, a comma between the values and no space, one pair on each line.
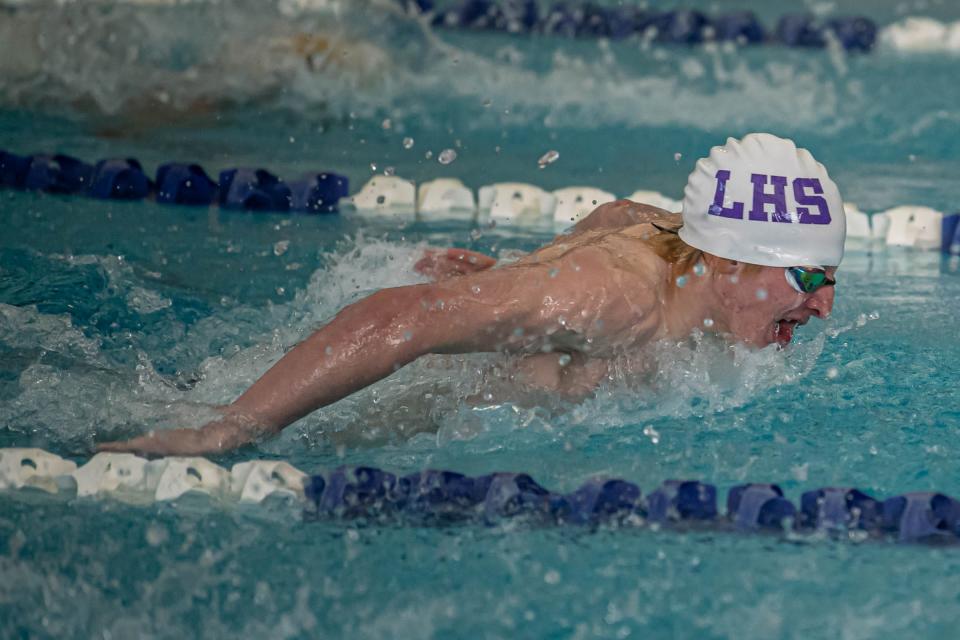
175,183
445,497
676,26
58,173
179,183
120,179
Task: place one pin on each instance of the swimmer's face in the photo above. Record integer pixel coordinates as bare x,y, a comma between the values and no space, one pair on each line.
764,309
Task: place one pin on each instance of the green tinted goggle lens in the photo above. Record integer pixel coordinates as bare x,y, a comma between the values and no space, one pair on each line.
809,280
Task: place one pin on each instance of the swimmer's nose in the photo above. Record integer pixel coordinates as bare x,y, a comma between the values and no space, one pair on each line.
820,302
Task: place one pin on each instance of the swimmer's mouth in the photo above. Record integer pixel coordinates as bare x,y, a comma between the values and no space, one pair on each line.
783,330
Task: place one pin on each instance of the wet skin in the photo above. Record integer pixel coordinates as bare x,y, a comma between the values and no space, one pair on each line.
592,294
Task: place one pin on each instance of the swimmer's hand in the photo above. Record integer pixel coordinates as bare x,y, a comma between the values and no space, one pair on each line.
224,434
440,264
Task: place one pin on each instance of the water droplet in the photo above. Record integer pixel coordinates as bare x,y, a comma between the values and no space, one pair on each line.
832,373
389,171
408,143
292,139
734,279
428,155
677,156
387,123
475,289
407,336
652,433
518,331
564,359
548,158
281,291
373,167
280,248
487,102
699,269
761,294
681,281
487,396
708,322
328,351
874,315
553,272
476,234
447,156
551,577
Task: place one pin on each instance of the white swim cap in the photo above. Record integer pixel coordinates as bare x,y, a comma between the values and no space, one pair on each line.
764,201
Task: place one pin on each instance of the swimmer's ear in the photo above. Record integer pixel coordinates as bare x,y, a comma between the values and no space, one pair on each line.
722,266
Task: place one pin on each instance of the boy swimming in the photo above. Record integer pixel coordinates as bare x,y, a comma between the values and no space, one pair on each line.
762,227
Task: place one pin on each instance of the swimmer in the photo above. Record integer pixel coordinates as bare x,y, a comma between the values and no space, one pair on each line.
751,257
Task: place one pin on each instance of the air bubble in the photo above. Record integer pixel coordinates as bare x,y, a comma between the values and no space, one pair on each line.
447,156
548,158
408,143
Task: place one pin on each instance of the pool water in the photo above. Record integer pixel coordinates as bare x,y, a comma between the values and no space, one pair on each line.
116,318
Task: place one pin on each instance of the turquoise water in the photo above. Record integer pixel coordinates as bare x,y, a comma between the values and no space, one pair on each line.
116,318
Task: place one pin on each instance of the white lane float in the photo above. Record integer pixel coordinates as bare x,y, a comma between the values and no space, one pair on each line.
574,203
256,480
656,199
858,222
445,196
913,226
384,195
174,477
516,202
122,476
35,468
917,35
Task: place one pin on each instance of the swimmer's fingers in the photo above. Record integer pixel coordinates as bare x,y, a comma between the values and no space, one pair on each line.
180,442
452,262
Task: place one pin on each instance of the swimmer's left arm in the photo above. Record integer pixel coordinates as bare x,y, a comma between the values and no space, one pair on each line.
518,308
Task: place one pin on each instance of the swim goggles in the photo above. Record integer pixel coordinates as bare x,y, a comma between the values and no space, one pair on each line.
808,279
